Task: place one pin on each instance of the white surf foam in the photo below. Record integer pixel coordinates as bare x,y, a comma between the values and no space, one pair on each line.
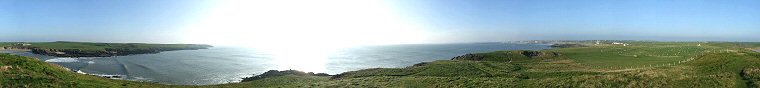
64,59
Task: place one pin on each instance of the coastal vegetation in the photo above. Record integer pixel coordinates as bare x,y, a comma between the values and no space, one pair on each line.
6,43
85,49
632,64
19,72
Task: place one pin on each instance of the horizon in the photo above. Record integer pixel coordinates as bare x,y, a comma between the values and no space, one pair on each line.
513,41
330,23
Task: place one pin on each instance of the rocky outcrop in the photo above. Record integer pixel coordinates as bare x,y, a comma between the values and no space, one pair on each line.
275,73
469,56
508,55
534,54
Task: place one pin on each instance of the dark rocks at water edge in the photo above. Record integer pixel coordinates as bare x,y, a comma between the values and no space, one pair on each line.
275,73
567,45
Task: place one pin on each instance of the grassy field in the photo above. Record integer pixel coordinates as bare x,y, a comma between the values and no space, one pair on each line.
640,64
3,44
639,54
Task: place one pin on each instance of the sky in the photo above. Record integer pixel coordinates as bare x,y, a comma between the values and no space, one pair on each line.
370,22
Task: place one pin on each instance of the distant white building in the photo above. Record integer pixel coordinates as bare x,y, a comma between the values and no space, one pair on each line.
620,43
597,42
23,44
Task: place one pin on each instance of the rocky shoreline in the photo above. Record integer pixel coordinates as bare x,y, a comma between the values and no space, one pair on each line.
275,73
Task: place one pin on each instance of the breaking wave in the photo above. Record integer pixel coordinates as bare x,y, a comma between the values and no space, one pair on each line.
65,59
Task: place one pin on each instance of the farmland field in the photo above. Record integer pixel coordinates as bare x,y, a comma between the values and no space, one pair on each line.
635,55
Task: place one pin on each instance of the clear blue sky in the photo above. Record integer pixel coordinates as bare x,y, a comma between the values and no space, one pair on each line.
727,20
451,20
95,20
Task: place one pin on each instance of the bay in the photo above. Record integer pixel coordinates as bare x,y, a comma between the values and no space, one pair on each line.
226,64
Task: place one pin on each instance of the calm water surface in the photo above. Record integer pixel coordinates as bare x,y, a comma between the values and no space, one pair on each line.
228,64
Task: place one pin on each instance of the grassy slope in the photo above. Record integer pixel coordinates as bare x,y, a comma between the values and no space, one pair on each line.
17,71
714,65
655,65
637,55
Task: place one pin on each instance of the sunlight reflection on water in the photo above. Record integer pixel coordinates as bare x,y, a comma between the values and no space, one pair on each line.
228,64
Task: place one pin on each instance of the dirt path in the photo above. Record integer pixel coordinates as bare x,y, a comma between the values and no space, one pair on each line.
648,67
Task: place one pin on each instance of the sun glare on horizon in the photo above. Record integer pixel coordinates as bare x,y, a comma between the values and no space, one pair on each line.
331,23
302,33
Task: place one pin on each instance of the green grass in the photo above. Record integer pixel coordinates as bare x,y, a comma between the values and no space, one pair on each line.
6,43
631,56
18,71
713,65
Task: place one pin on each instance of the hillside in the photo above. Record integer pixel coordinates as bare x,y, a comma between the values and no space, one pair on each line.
645,65
640,64
18,71
86,49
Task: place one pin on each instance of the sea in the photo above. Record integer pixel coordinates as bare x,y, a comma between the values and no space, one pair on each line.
228,64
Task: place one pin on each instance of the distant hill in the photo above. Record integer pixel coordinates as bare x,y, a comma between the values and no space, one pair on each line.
86,49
